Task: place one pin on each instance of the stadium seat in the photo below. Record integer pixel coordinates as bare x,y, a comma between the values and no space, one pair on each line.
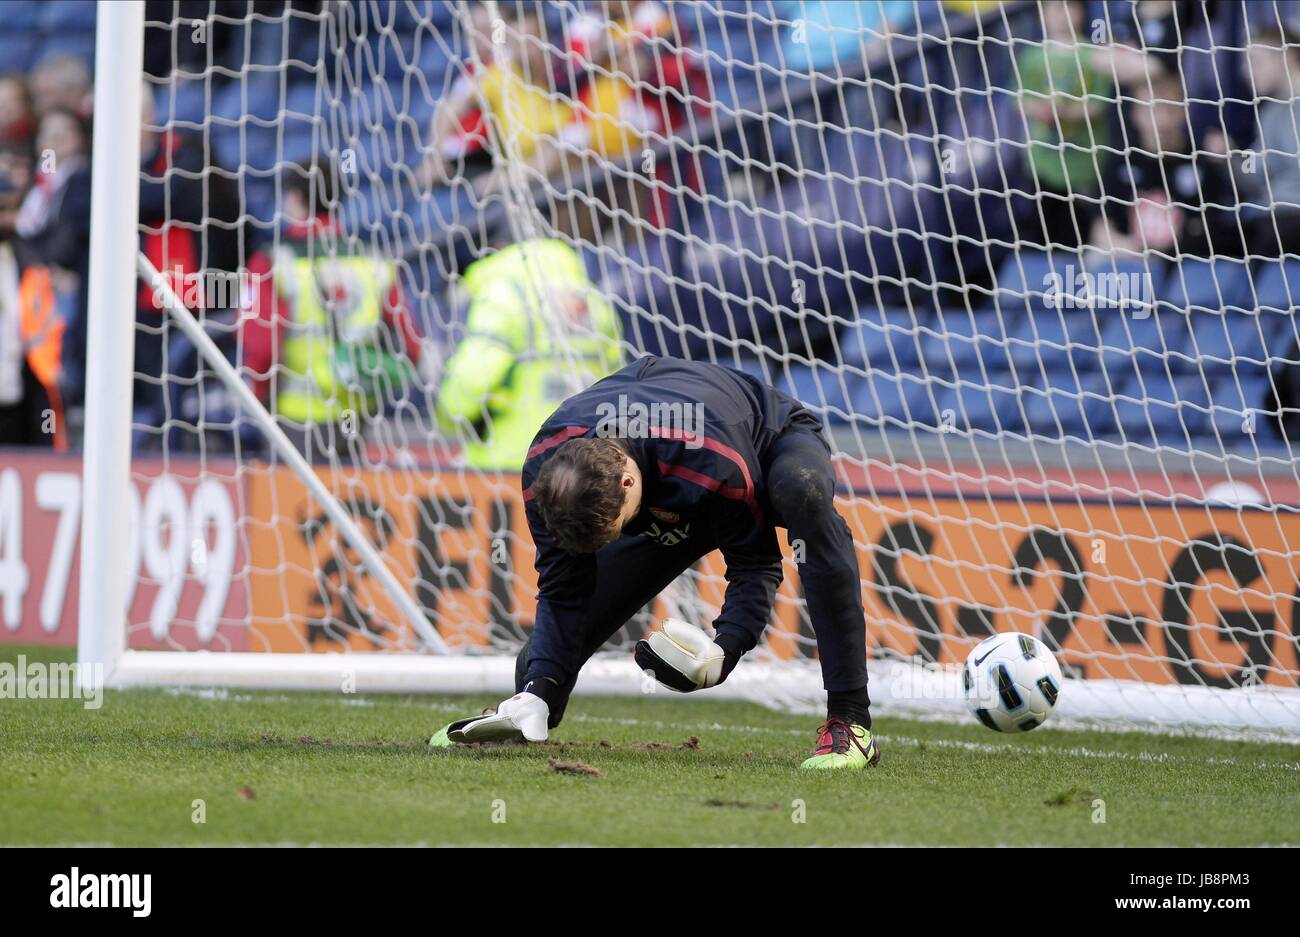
1178,344
1239,403
1194,284
1227,342
1277,285
1066,405
16,51
1122,281
892,401
978,406
882,340
182,102
257,96
1280,335
827,392
1157,410
1128,344
1052,338
21,16
958,342
1029,280
64,17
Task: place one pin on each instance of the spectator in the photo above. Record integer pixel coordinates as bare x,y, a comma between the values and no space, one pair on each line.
1066,97
61,81
53,231
629,64
22,399
15,180
537,332
459,134
326,337
17,125
189,215
171,214
1149,41
1267,174
524,112
635,85
1159,196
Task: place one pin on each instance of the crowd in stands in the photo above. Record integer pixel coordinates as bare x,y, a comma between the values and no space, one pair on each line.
1109,128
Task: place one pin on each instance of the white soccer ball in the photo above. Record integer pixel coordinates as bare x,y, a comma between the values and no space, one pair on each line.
1011,681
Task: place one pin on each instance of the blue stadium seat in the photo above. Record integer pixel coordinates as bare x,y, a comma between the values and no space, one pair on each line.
893,401
977,405
1238,403
1195,284
1277,285
433,63
1029,280
1228,341
256,94
1052,338
881,340
1177,341
1280,334
826,391
16,51
1130,344
1122,282
65,16
971,345
1069,406
184,101
949,341
21,16
1156,410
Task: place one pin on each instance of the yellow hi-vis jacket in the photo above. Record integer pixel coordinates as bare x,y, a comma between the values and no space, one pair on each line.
327,355
523,354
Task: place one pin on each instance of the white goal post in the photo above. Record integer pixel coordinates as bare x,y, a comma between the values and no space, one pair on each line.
1024,444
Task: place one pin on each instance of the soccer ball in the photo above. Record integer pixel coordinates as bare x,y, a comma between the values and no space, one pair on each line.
1011,682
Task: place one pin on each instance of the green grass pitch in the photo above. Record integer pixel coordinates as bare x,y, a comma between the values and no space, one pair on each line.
276,768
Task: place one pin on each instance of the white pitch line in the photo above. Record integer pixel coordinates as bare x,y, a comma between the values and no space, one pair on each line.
1077,751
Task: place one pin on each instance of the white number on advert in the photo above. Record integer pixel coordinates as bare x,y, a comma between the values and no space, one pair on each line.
173,536
13,571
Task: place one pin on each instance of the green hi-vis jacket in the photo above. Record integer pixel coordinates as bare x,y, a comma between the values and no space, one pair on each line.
528,347
334,359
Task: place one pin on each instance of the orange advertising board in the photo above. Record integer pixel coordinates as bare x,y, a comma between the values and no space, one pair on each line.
1161,593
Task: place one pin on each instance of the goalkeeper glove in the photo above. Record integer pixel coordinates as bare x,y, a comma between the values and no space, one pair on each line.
523,715
682,657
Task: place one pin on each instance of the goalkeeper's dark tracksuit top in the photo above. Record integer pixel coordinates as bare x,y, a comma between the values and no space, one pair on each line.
708,476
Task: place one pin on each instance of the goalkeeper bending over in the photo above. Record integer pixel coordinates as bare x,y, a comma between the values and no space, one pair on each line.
619,507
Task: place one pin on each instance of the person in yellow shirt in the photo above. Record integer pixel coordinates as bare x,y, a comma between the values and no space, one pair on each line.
505,98
537,332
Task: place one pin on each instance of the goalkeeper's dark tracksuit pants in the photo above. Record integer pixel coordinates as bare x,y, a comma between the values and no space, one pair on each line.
800,491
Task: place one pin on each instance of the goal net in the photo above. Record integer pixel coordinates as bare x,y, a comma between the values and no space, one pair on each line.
1032,265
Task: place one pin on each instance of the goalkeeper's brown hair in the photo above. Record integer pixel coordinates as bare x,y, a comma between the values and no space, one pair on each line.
579,493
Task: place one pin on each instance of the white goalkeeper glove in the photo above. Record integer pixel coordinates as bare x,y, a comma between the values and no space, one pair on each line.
681,656
522,716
